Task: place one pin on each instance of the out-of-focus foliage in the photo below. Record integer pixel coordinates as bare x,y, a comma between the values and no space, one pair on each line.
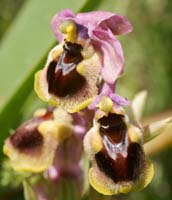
148,66
8,11
148,53
8,174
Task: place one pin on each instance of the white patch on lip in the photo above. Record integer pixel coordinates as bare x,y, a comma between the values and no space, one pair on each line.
115,149
105,126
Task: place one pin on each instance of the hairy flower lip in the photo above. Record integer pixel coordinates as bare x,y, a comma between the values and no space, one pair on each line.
119,165
88,69
32,147
122,169
27,138
62,76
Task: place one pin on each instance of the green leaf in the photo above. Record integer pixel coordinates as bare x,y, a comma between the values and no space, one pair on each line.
67,190
116,6
10,178
29,193
85,166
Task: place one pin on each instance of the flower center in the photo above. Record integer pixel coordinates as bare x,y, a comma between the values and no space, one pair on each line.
62,77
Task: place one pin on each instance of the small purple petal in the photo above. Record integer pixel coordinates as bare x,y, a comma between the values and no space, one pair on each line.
92,20
113,59
106,20
83,31
118,24
119,100
107,89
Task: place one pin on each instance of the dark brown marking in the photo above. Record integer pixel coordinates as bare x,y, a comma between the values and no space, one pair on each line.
27,137
114,127
135,160
122,169
62,77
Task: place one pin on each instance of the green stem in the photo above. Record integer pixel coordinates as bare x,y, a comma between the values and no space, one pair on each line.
67,189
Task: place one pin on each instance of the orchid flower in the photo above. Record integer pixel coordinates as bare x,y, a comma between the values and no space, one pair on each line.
43,145
33,145
78,81
88,55
115,147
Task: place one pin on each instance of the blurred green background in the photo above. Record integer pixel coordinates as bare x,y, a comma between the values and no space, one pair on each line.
25,39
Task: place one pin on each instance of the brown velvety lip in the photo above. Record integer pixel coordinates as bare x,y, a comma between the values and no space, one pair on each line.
62,77
122,169
27,136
